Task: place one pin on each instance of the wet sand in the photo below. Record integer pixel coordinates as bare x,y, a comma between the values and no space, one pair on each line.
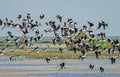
29,67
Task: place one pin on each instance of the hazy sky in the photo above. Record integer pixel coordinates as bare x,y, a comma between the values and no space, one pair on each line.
79,10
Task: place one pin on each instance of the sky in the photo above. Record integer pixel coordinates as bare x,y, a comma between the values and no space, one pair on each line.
80,10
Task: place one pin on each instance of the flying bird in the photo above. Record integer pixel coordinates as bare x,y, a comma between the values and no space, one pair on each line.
59,18
46,31
82,57
84,27
35,49
70,20
42,16
57,28
1,22
28,16
91,66
12,58
99,25
46,24
104,25
90,24
19,16
47,60
62,65
25,31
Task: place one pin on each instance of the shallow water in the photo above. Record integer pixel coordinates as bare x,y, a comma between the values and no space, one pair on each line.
78,75
74,67
4,62
12,48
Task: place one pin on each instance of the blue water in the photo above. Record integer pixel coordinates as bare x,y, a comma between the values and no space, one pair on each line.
24,65
78,75
35,69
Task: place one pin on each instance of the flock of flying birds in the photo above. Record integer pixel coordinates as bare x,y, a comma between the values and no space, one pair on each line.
57,26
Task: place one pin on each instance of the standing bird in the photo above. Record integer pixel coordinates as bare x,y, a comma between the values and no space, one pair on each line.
101,69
